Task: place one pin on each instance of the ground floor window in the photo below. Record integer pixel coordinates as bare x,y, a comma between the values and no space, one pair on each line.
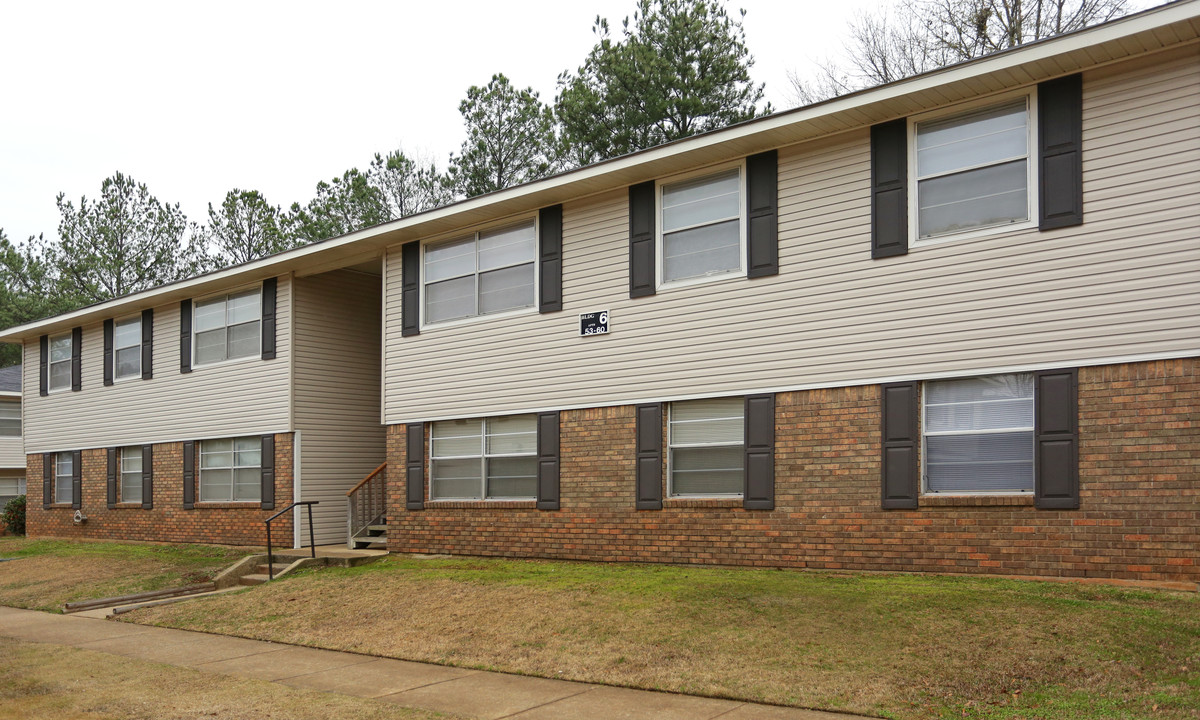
707,452
978,434
64,471
10,487
484,459
131,474
230,470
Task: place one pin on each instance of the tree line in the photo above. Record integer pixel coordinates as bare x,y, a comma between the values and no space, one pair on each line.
676,68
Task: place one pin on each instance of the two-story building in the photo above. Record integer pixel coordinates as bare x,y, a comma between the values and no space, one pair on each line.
950,324
12,454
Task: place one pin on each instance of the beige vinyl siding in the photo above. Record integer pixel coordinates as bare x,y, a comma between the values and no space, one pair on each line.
336,392
12,453
1125,283
248,396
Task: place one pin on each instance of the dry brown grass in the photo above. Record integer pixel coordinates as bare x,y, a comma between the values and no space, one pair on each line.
45,574
900,646
46,682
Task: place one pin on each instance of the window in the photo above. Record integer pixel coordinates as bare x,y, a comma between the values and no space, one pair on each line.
706,440
131,474
230,470
227,327
10,487
64,470
127,347
10,419
488,272
973,170
491,458
978,435
701,225
60,362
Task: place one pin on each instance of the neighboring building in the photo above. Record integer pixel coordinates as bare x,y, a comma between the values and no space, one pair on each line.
12,455
949,324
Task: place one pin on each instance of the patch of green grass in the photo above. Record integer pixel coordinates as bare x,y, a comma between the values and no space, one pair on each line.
18,547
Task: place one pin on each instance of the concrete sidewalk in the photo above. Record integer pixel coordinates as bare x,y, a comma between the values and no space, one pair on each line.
473,693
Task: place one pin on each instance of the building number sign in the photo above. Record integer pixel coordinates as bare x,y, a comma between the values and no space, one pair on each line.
593,323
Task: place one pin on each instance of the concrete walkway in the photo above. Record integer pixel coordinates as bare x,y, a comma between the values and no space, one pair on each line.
473,693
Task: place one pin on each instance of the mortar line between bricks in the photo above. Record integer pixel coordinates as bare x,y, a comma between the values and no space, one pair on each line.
535,707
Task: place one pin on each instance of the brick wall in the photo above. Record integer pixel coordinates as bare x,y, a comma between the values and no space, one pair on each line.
219,523
1139,491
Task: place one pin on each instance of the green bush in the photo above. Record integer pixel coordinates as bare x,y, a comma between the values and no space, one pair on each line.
14,515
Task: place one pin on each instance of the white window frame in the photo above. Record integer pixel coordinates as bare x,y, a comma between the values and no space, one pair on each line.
58,476
740,271
475,233
671,445
117,376
925,434
7,406
483,458
50,362
233,467
1032,186
225,297
122,453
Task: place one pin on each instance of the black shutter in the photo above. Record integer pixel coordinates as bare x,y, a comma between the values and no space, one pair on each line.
548,467
414,467
649,457
77,479
185,336
108,352
1056,444
268,472
901,437
759,490
189,475
762,224
147,477
44,366
76,359
410,289
1060,151
269,291
642,278
889,189
47,480
550,238
112,477
148,344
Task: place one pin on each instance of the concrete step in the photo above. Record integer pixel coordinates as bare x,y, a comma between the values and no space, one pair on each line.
263,568
254,579
378,529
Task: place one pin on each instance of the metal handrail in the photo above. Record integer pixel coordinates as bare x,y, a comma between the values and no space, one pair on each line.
311,544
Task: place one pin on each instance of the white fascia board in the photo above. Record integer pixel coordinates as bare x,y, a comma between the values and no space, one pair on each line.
641,164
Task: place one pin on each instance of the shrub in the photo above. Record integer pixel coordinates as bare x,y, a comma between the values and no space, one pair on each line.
14,515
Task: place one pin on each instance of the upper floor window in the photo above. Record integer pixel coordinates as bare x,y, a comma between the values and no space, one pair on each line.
702,226
131,474
60,362
978,434
489,458
127,347
64,472
489,272
10,419
227,327
707,447
230,470
973,170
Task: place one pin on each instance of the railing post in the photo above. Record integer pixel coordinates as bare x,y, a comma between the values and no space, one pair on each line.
312,544
270,556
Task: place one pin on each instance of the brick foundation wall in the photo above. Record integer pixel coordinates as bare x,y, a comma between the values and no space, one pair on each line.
216,523
1139,518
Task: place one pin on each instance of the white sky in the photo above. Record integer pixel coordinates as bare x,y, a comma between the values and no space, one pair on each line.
195,99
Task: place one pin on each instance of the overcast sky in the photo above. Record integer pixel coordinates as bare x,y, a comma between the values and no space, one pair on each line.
195,99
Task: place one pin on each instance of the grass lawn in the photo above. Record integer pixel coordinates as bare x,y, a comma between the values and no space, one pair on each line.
894,645
47,682
44,574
